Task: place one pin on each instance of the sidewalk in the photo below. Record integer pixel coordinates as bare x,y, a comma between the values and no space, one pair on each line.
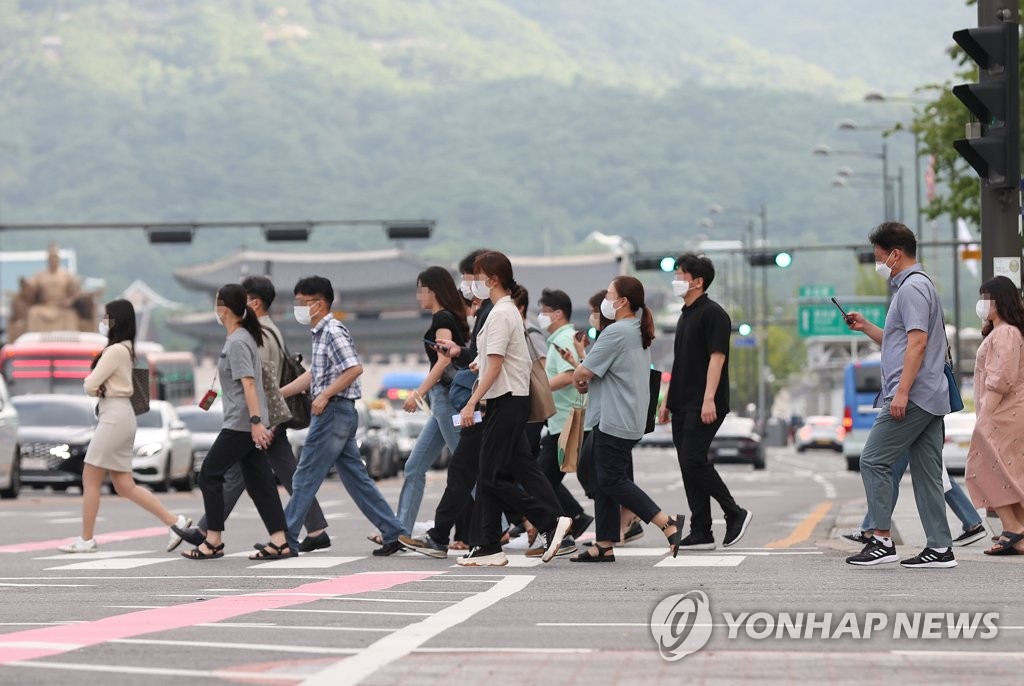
906,527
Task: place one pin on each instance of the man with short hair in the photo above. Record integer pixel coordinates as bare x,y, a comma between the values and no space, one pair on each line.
555,313
914,399
698,400
333,383
260,292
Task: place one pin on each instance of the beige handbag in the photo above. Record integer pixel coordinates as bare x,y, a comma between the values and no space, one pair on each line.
542,404
570,440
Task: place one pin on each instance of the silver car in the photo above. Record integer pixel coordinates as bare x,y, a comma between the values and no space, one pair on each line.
959,428
10,457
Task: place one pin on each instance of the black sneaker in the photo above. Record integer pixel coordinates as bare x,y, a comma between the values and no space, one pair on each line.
859,537
481,556
389,549
736,527
318,542
425,545
634,533
695,542
192,535
580,523
553,538
874,553
972,535
568,547
929,559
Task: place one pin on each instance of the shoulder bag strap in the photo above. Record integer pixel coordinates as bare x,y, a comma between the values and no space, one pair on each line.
942,317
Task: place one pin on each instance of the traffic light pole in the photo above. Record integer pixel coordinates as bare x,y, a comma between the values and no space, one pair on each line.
762,348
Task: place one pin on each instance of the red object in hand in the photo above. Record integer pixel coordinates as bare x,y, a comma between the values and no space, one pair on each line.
207,400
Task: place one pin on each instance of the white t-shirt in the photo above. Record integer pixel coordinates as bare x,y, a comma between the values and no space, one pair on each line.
504,334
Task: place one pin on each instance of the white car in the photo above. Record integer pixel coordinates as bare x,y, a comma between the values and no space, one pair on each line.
163,449
959,427
205,426
10,454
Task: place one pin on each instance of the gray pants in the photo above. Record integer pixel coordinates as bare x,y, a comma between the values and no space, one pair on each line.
920,433
282,462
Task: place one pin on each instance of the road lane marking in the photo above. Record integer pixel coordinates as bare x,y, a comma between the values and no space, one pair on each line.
407,639
112,537
702,561
98,555
304,562
221,645
50,585
805,528
539,651
154,671
113,563
353,612
12,648
293,627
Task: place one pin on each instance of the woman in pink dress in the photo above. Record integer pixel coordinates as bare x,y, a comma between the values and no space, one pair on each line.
995,463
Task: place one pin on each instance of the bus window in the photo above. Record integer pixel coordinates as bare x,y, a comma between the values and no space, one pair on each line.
172,377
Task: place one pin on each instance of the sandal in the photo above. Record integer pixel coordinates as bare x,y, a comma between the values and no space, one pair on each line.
375,538
604,554
674,539
198,554
458,545
1006,547
277,554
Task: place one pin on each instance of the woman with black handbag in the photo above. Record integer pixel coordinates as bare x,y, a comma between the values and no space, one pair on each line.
113,443
435,291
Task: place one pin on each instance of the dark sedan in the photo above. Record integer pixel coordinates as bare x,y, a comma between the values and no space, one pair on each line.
737,441
54,432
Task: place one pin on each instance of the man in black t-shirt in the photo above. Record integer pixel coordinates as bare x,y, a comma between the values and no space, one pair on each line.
698,400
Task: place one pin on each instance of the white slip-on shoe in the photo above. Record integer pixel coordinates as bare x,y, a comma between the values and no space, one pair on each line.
79,545
174,538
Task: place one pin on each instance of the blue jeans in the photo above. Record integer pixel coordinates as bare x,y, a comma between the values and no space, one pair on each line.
331,441
437,433
956,499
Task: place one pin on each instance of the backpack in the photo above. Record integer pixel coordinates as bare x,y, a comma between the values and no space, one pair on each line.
291,368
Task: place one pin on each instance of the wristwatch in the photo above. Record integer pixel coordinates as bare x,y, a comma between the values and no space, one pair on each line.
255,419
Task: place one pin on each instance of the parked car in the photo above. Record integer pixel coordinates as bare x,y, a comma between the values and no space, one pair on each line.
737,441
959,428
10,453
53,429
163,449
820,431
368,444
383,424
661,437
204,425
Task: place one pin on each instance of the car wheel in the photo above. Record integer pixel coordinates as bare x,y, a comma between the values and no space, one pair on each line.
801,448
60,487
759,463
853,463
164,484
187,482
12,490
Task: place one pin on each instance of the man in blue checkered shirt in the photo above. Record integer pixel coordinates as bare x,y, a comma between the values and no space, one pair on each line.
333,383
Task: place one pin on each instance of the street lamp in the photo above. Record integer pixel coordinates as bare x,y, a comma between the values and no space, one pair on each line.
822,150
845,177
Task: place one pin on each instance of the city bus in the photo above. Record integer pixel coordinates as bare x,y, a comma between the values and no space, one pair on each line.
862,383
58,362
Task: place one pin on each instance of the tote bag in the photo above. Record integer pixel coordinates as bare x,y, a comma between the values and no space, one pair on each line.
542,404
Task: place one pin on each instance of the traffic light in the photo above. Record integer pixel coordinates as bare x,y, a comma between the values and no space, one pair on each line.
770,259
744,329
654,262
993,148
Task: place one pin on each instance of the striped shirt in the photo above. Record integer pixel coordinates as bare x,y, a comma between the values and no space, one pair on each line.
334,351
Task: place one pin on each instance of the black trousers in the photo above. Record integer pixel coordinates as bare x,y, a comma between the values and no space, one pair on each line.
456,506
506,463
613,458
701,480
236,447
282,462
548,462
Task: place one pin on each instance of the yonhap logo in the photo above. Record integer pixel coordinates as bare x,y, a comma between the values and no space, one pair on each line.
681,624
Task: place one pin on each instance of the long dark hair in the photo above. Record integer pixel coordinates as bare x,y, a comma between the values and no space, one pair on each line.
233,297
121,314
632,290
1006,299
497,266
440,282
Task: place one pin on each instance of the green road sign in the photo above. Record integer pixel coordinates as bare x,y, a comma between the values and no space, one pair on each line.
817,291
824,319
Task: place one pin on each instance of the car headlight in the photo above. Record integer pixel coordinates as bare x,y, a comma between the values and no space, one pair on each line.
149,449
63,451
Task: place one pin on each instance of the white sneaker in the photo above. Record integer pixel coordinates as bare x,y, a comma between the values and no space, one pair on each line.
478,558
174,538
79,546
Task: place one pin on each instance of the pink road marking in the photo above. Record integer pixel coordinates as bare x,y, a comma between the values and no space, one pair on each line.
55,640
112,537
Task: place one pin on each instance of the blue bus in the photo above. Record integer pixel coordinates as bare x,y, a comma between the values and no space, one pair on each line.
862,382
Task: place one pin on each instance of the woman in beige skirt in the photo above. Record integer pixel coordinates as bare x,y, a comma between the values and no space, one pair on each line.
995,462
112,444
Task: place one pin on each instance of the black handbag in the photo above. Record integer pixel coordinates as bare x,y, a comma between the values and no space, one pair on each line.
652,404
300,404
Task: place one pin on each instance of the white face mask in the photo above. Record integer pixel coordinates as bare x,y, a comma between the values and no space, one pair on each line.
544,321
216,313
302,315
466,288
983,308
104,328
608,309
680,288
480,290
883,268
595,319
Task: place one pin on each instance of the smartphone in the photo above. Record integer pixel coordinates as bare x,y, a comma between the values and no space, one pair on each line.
457,418
846,317
206,402
430,344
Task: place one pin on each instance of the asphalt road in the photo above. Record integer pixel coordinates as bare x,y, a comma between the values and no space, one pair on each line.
133,614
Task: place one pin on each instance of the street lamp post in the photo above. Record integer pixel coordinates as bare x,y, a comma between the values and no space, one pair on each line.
825,151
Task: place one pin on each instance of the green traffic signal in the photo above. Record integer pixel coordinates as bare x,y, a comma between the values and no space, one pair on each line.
744,329
592,333
667,264
783,260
